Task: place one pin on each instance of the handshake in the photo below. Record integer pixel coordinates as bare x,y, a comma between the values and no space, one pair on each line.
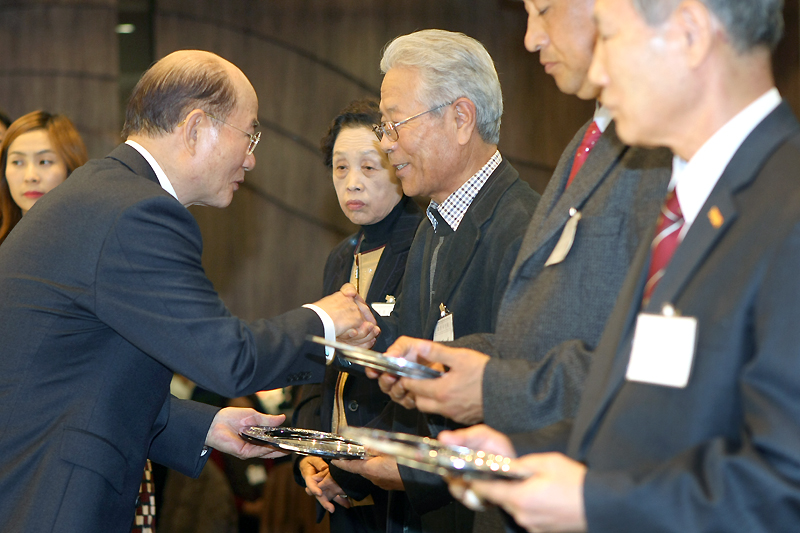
352,317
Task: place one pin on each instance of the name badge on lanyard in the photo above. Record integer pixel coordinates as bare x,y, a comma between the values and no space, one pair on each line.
564,244
444,327
663,348
384,308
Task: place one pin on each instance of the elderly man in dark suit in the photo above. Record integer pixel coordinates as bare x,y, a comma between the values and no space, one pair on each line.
442,103
104,297
690,419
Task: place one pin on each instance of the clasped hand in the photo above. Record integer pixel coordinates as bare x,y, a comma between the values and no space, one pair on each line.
352,317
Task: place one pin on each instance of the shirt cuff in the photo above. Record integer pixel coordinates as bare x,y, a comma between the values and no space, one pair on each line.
330,329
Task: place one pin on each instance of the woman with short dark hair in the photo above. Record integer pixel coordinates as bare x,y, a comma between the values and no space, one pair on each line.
373,259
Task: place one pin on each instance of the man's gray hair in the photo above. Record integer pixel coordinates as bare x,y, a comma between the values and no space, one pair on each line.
748,23
451,66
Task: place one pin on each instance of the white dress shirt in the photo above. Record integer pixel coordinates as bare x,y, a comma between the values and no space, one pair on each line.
455,206
163,180
694,180
602,117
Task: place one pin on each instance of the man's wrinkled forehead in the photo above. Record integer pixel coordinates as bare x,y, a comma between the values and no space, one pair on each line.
399,91
387,109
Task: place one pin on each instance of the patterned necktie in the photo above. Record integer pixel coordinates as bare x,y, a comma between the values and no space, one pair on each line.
668,229
145,518
588,142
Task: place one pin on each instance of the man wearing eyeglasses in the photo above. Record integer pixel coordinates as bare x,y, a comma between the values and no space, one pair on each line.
104,297
441,102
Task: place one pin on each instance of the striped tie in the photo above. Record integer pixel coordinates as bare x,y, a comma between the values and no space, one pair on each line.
668,229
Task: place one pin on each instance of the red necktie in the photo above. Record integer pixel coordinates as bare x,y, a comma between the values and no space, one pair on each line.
668,229
588,142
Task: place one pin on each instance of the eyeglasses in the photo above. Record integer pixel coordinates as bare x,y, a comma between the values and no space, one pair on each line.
254,137
390,128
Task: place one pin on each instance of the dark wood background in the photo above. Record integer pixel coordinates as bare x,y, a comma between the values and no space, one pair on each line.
306,59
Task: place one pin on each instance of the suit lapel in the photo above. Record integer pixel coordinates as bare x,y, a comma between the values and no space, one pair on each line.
468,235
720,205
699,242
561,174
451,266
553,211
696,246
606,152
344,262
391,267
387,266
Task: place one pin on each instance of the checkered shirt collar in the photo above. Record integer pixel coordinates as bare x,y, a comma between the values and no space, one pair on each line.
455,206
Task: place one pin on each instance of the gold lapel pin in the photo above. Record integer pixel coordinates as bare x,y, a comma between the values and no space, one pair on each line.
715,217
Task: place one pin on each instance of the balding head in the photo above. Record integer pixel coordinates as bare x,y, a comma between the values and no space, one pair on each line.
196,115
175,85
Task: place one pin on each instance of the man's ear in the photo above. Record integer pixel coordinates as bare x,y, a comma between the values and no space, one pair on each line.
697,29
466,119
191,129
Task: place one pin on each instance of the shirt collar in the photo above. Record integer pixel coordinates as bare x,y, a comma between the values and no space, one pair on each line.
163,180
602,117
455,206
694,180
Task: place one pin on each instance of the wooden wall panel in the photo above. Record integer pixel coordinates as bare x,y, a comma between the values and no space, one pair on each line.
61,56
786,60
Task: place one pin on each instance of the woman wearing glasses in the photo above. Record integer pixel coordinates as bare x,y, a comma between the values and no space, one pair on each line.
373,260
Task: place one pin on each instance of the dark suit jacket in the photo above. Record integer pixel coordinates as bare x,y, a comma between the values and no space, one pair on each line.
362,396
103,297
473,268
722,453
552,317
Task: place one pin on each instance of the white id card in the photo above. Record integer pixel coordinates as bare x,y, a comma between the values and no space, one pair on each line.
663,350
444,327
256,474
382,308
564,244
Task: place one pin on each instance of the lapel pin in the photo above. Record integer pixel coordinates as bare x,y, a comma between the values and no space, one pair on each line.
715,217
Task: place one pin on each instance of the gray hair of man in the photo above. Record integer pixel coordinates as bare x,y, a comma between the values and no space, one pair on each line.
172,88
749,23
451,66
